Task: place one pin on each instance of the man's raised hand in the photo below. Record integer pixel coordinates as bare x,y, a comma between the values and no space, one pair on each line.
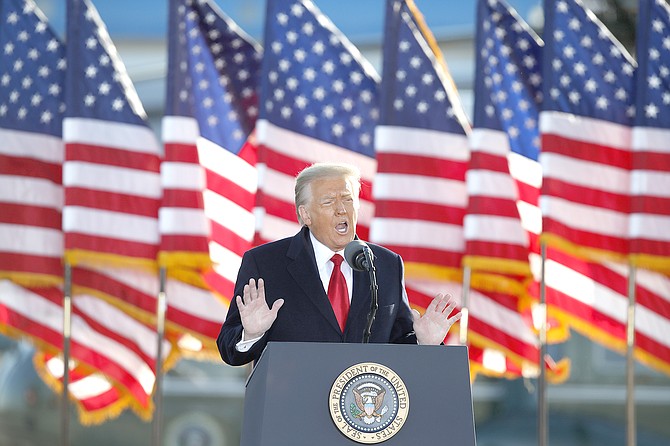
256,316
433,326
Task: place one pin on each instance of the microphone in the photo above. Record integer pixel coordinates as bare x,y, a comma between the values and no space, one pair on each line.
358,255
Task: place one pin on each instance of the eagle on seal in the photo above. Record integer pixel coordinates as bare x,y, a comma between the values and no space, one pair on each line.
369,399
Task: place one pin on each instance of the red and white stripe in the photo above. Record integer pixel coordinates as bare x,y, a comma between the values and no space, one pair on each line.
195,311
593,298
102,336
209,196
184,228
112,192
31,197
502,230
650,208
232,181
202,223
585,198
95,396
420,194
494,321
128,343
282,155
191,309
503,220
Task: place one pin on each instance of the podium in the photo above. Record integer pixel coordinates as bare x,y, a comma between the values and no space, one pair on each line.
348,394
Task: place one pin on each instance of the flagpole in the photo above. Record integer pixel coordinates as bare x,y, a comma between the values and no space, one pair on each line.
67,327
630,359
542,426
465,313
161,307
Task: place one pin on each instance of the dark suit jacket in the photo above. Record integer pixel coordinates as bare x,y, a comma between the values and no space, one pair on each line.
288,267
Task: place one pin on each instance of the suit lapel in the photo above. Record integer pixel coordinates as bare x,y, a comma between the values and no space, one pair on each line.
360,305
304,271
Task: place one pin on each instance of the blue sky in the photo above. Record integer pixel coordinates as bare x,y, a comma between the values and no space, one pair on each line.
360,20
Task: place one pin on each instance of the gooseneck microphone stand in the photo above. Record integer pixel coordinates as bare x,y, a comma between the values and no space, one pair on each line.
374,304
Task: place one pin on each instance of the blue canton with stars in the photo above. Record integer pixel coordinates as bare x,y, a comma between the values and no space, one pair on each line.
414,94
313,82
32,71
508,78
653,50
214,73
98,86
587,72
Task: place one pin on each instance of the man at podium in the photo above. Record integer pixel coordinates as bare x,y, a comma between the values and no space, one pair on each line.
299,289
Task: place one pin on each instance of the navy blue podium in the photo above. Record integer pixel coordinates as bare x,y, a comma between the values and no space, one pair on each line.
346,394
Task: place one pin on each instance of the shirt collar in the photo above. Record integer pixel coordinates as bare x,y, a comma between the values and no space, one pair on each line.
322,253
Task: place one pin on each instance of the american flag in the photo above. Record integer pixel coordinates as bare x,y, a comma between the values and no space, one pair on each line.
590,296
503,219
650,177
95,396
126,346
593,298
318,102
585,125
32,71
499,336
209,174
194,316
422,146
103,339
111,169
111,179
31,112
422,154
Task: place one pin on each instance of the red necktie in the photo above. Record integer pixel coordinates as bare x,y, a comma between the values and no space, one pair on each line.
337,292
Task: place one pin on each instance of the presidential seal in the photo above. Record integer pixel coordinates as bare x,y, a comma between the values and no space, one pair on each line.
369,403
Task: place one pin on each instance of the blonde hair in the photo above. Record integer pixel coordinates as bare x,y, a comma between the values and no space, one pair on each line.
317,171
